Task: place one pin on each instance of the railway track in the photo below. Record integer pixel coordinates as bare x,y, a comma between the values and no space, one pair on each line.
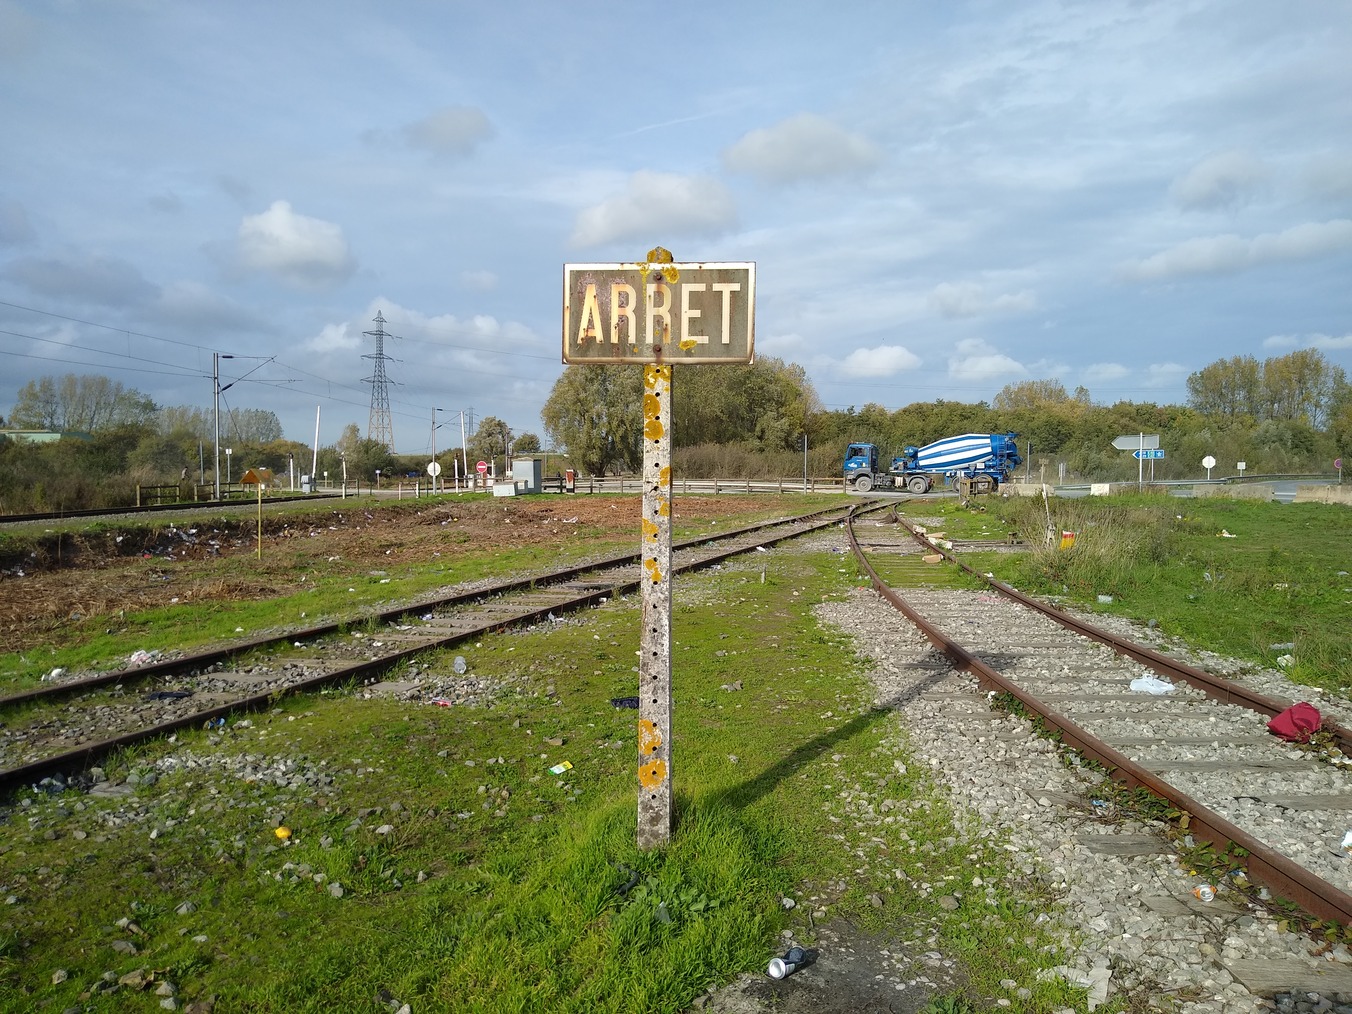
61,728
1203,747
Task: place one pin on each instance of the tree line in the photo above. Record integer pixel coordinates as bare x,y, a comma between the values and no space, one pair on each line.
1290,413
1286,414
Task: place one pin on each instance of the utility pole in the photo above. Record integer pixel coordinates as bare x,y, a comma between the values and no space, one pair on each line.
216,388
464,454
379,427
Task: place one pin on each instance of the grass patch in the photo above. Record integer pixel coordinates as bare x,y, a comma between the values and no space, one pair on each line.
1253,580
473,879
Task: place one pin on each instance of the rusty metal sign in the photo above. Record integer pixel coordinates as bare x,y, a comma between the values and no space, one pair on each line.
656,312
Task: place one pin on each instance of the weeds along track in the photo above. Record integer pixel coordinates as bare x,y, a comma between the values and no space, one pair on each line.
63,728
1270,810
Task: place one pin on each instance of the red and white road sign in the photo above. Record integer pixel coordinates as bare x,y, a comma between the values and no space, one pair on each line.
482,467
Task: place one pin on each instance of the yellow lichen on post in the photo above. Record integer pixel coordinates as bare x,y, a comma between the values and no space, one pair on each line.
654,771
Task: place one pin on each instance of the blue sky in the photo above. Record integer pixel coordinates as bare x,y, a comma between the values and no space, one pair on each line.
941,199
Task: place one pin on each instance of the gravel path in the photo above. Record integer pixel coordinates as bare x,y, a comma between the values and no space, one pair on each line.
1131,920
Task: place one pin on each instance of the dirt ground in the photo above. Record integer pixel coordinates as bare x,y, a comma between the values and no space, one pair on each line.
54,579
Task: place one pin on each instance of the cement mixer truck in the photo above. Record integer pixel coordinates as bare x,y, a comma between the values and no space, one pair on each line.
944,462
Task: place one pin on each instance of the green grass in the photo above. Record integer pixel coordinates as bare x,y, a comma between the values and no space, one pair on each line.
520,908
1282,575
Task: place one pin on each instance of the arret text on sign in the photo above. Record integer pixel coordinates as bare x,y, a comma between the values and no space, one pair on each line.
659,313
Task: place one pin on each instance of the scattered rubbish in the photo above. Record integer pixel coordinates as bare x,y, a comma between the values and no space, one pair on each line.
662,914
735,685
788,964
561,767
1296,723
283,833
554,740
1284,646
1105,600
1101,807
1151,685
166,695
1226,535
1286,661
55,674
460,665
630,883
1347,843
142,657
932,558
761,549
624,702
442,702
1068,539
1204,892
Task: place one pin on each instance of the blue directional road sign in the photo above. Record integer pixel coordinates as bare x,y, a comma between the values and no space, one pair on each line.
1148,453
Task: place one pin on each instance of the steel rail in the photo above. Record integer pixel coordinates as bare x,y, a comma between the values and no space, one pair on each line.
156,508
1216,687
82,757
175,666
1264,866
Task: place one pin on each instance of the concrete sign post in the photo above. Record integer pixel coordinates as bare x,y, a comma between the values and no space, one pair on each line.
657,313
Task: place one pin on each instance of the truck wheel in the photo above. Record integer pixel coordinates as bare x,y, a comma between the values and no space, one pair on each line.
863,483
918,484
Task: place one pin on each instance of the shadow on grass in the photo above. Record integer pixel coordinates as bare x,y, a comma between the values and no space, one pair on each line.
748,792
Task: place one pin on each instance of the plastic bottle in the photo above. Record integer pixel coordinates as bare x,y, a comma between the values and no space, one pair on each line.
459,665
1204,893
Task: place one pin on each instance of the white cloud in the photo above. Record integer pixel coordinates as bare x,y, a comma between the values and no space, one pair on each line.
302,251
1100,373
442,339
334,338
454,131
1314,341
806,146
656,205
481,281
881,361
1231,253
1165,374
969,299
978,362
1224,180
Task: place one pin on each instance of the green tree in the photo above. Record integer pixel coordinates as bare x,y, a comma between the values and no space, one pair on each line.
527,443
1228,388
88,403
595,414
490,443
1302,385
252,426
